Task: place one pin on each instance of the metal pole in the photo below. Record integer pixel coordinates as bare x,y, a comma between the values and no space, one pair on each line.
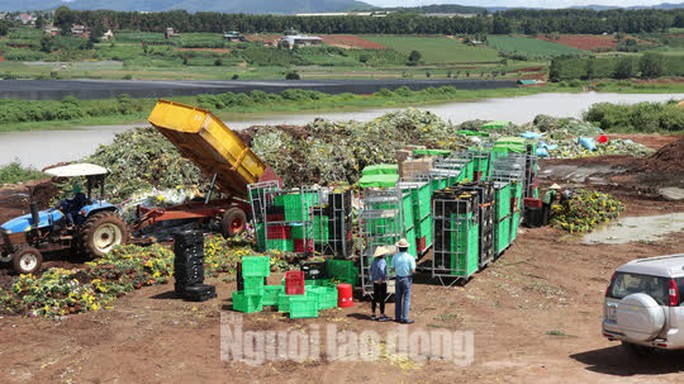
211,188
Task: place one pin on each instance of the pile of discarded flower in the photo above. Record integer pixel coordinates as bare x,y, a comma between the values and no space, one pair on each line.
60,292
328,152
572,138
585,210
143,159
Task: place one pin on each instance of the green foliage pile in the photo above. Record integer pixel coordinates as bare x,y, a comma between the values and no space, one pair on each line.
328,152
142,159
585,210
641,117
14,172
60,292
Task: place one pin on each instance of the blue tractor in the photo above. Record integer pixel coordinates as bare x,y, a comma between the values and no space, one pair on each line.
90,227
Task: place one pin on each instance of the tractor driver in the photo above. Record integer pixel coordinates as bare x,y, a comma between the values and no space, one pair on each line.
72,206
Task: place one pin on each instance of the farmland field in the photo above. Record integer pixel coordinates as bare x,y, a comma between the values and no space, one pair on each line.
529,47
437,49
584,42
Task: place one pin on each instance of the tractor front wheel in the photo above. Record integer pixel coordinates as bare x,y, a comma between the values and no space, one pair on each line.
234,222
27,260
101,233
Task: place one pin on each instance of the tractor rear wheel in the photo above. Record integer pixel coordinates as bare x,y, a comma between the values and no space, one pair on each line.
234,222
27,260
101,233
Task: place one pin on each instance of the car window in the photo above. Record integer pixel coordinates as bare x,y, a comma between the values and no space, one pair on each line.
626,284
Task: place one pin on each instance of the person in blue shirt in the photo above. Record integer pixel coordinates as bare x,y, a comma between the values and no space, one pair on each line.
378,272
404,265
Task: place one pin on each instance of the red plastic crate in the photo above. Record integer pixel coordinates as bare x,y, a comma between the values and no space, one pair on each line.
278,232
421,243
302,246
532,202
275,217
294,283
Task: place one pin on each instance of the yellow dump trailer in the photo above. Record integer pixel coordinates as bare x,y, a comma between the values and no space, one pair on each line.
208,142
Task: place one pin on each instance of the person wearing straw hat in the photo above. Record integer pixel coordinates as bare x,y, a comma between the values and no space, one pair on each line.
378,272
404,265
549,198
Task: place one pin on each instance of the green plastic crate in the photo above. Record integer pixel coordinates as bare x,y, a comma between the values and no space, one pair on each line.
254,286
515,223
464,245
283,245
245,303
424,227
502,235
261,237
327,297
380,169
407,208
321,230
271,294
284,302
302,307
413,247
342,270
502,194
300,231
256,266
297,206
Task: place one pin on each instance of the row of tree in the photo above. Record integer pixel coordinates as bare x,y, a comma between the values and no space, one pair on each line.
514,21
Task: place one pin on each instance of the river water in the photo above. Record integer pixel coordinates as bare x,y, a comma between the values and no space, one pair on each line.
42,148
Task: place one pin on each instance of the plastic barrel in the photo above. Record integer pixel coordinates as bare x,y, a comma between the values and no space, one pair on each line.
345,296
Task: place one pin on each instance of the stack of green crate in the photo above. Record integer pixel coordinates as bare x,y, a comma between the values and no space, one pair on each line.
517,197
502,196
321,230
502,236
342,270
271,294
464,244
407,210
284,245
297,205
254,270
301,231
261,237
424,229
284,302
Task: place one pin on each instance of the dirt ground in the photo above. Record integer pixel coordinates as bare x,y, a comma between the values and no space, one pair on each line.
535,313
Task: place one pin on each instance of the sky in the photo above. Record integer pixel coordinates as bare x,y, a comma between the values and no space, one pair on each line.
518,3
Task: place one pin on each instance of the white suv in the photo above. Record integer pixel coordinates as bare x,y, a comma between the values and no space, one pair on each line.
643,306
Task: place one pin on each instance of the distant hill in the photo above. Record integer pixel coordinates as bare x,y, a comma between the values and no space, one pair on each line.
439,8
608,7
224,6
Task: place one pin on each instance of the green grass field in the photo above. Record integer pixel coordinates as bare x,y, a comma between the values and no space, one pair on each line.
437,49
530,47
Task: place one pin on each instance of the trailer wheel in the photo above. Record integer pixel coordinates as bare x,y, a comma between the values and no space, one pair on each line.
234,222
27,260
101,233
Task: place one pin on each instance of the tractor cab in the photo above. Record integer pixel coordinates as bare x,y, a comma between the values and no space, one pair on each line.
82,223
77,208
